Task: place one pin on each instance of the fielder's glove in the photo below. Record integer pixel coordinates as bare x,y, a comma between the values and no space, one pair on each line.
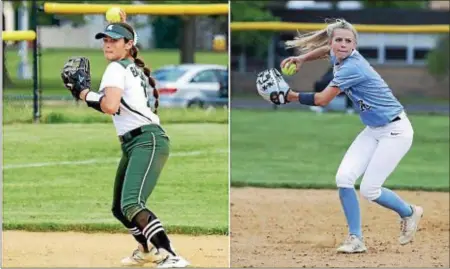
272,86
76,75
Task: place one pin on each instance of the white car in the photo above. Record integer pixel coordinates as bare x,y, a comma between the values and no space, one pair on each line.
189,85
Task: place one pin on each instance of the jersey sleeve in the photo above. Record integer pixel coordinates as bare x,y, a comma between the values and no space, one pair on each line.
114,76
346,77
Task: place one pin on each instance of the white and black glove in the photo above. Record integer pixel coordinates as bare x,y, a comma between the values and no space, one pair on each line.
272,86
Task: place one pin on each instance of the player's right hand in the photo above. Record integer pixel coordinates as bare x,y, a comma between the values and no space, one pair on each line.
123,16
297,60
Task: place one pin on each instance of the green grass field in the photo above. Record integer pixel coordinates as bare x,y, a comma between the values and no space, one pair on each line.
69,112
265,152
52,61
191,196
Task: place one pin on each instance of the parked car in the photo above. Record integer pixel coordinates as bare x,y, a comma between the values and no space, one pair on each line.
192,85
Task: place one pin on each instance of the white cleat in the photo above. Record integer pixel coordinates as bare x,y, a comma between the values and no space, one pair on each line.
139,258
409,225
173,262
352,244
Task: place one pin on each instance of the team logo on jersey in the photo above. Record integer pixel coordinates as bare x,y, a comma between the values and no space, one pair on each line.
363,106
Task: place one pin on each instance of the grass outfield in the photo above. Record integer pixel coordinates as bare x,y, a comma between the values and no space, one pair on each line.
52,60
265,152
69,112
191,196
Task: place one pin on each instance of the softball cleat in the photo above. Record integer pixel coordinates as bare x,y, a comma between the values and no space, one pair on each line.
409,225
139,258
173,262
353,244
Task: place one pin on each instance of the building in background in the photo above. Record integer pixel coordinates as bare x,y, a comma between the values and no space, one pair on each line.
439,5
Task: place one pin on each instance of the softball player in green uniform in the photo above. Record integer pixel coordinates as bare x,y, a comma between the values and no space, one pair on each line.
125,90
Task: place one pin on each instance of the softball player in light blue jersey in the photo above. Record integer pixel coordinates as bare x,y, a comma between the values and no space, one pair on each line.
380,146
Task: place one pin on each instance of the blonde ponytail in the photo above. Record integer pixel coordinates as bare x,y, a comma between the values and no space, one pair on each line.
316,39
309,41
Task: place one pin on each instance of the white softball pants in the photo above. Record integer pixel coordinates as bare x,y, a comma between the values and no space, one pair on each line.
376,152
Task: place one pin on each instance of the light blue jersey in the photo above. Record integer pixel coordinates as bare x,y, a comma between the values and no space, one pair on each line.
370,94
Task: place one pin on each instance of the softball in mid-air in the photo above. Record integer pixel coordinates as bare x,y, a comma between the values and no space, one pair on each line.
289,69
113,14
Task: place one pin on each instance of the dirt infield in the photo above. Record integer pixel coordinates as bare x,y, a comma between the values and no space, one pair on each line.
302,228
26,249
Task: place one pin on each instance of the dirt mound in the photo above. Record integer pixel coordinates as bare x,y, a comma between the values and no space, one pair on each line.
67,249
302,228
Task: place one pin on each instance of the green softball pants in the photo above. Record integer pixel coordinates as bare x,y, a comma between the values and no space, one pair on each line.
143,159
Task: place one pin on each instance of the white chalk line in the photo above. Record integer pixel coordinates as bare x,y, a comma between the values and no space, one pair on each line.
108,160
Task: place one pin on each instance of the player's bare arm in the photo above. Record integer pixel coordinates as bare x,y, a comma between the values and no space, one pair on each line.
322,98
313,55
316,54
109,102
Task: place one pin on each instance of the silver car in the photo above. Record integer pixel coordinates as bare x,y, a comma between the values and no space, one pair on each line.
189,85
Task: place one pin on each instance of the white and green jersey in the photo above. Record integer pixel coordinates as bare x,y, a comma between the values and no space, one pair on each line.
135,108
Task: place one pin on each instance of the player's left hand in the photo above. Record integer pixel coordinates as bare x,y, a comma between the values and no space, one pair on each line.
272,86
76,75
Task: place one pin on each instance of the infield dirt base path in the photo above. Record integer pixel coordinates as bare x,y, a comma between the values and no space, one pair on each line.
302,228
69,249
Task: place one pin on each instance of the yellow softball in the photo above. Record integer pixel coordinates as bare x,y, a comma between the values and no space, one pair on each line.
289,69
113,14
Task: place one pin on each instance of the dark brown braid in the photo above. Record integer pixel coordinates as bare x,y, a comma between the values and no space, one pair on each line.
140,63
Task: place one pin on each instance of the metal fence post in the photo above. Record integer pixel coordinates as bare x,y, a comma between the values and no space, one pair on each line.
381,49
409,49
36,111
242,60
271,58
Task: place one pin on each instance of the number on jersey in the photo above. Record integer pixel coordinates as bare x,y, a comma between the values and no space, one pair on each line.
144,82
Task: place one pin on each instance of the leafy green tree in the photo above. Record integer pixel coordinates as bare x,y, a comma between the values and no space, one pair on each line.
242,11
438,58
395,4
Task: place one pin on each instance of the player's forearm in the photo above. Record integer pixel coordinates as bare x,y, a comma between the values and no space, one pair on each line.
315,54
100,102
109,105
311,98
303,98
92,99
